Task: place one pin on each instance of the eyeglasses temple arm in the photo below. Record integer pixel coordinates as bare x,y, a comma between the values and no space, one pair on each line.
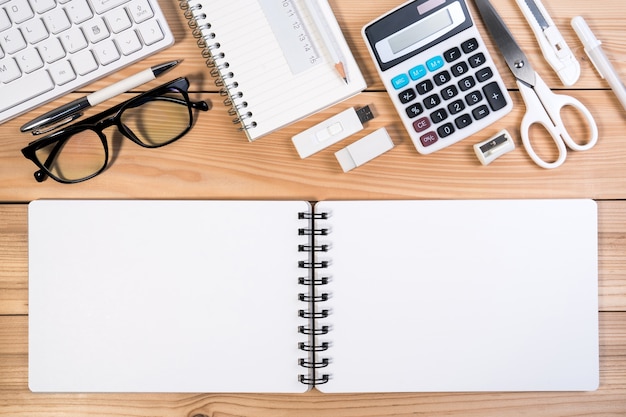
41,175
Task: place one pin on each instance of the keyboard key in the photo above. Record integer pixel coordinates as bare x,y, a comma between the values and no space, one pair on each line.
424,87
35,31
62,72
9,70
51,50
106,52
428,139
140,10
473,98
101,6
467,83
25,88
438,116
459,69
415,110
84,62
456,106
79,11
29,60
449,92
5,22
73,40
463,121
42,6
445,130
452,54
400,81
128,42
494,96
417,72
12,41
96,30
477,60
480,112
19,11
432,101
442,78
421,124
434,63
118,20
407,96
469,45
57,21
484,74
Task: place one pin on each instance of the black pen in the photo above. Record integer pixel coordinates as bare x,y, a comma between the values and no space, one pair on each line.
73,109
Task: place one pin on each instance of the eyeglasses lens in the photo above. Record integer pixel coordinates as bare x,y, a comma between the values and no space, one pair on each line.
79,156
160,120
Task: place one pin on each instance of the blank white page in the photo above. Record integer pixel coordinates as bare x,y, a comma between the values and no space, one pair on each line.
462,296
164,296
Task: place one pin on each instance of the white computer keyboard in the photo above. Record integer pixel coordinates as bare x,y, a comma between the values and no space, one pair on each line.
51,47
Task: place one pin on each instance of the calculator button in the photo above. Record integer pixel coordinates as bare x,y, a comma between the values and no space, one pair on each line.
421,124
494,95
473,98
415,110
442,78
432,101
459,69
484,74
463,121
480,112
424,87
445,130
400,81
434,63
467,83
452,54
449,92
407,96
417,72
456,107
438,116
469,45
477,60
429,138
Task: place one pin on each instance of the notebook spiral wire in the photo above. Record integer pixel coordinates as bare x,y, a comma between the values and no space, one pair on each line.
313,298
216,62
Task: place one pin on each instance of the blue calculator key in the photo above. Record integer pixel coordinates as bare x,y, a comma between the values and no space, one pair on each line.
417,72
400,81
434,63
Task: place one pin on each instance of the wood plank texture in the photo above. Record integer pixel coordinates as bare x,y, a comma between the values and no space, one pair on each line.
215,161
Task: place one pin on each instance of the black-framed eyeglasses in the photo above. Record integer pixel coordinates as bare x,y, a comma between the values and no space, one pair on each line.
80,151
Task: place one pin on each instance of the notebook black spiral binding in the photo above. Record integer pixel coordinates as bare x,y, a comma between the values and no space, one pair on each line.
313,297
217,63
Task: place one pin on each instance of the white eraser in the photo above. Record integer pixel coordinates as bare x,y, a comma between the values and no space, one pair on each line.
364,149
494,147
327,133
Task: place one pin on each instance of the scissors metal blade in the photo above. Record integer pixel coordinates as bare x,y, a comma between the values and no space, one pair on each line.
513,55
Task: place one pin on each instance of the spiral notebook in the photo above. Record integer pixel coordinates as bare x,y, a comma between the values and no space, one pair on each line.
274,60
282,296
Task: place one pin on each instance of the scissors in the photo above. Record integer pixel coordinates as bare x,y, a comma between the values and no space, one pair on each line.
543,107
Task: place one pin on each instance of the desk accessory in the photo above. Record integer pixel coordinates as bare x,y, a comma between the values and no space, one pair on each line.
490,149
74,109
80,151
331,130
52,48
279,296
543,107
364,149
271,60
437,71
594,51
554,48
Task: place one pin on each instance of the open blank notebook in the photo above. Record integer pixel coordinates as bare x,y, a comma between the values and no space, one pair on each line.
278,296
273,59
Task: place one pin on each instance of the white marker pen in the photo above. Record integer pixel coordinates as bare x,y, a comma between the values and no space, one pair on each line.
599,59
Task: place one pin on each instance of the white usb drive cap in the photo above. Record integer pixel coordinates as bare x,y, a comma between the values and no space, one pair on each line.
364,149
331,131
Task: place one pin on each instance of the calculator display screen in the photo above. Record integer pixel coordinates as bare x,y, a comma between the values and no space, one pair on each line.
410,30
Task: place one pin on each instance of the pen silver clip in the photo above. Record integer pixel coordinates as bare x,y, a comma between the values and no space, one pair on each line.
49,128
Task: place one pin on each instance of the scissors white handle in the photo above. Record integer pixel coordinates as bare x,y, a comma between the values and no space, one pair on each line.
544,107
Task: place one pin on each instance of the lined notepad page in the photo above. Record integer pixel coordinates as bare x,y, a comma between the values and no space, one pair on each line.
278,59
164,296
462,295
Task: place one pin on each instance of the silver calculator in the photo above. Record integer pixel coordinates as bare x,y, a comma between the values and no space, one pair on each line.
437,71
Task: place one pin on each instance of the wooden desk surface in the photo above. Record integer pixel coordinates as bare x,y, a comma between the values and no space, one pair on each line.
215,161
